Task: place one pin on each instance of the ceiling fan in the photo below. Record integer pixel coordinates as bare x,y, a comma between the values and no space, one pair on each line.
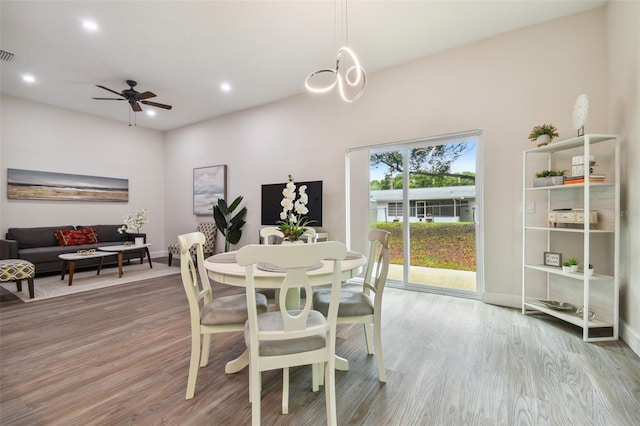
134,97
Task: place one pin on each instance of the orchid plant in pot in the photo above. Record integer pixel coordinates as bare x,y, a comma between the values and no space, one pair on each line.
293,222
133,224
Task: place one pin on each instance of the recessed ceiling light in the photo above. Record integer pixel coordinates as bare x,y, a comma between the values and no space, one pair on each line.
28,78
225,86
90,25
151,113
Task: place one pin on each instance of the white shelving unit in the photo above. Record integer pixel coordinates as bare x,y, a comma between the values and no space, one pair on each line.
592,243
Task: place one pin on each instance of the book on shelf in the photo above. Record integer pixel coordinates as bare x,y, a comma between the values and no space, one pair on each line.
568,180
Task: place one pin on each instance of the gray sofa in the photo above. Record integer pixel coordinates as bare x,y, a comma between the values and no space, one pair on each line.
40,247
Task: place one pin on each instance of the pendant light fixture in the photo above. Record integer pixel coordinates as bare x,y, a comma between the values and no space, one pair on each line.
348,75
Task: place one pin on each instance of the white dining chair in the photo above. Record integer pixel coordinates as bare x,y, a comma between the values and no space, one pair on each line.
362,303
270,231
289,338
208,315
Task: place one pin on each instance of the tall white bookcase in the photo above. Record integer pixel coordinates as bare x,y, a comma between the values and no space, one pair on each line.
554,224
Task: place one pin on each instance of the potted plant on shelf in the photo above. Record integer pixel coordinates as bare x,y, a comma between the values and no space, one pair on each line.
566,267
590,270
549,178
573,263
544,134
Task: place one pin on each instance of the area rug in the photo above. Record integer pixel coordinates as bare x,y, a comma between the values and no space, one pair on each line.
52,286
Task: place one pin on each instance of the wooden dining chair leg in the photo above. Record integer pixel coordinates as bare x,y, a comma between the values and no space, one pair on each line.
378,343
368,337
285,390
206,345
193,364
315,378
330,391
256,386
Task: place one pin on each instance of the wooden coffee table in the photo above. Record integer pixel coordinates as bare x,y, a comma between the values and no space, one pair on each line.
69,261
120,249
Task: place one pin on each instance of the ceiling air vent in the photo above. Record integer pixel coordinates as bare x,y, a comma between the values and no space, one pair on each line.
6,56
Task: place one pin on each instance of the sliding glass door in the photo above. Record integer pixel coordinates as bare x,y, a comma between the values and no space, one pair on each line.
427,194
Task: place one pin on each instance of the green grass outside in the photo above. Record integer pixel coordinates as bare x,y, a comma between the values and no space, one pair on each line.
435,245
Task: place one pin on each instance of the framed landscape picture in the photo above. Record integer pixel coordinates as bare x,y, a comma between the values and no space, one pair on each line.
36,185
209,184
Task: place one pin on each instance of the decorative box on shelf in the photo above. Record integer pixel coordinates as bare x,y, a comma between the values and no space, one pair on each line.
554,217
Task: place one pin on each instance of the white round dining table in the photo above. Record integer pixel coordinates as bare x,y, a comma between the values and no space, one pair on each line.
224,269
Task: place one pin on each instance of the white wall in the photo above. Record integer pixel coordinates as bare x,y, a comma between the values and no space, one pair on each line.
623,23
504,85
43,138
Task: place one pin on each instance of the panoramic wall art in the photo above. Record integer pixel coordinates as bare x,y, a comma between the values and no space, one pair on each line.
34,185
209,184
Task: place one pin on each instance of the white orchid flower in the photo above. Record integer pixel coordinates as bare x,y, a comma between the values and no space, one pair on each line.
300,208
287,204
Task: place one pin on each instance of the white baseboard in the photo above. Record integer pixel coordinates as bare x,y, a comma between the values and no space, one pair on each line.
630,336
502,299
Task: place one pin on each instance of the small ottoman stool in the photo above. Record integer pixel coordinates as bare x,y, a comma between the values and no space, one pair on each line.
18,270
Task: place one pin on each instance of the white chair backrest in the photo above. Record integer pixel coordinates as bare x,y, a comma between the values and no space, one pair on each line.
378,266
295,259
195,279
270,231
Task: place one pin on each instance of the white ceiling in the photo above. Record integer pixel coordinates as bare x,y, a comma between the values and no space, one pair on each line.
183,50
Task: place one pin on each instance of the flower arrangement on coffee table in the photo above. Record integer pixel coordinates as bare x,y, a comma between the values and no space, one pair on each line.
134,222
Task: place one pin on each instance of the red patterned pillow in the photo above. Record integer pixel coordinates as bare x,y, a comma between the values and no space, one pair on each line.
71,237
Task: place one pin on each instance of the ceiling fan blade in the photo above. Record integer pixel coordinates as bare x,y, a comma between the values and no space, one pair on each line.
145,95
135,106
155,104
109,90
110,99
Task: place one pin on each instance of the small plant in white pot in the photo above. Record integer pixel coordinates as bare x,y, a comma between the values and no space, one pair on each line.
566,267
549,178
544,134
573,263
590,270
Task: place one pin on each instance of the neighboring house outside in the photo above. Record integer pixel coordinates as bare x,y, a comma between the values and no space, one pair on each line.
441,204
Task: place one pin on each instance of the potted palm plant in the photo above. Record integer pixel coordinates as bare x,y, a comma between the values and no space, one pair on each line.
230,225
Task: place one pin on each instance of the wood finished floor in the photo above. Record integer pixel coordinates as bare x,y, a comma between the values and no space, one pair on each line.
119,356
